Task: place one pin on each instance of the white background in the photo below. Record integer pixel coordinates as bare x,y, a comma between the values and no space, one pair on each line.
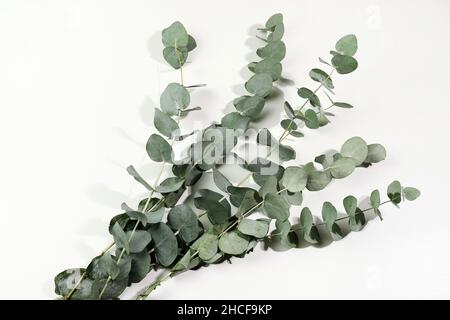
78,84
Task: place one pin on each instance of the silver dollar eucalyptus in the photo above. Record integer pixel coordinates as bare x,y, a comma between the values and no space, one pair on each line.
163,231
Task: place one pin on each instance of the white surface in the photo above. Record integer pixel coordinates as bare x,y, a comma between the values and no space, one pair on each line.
79,81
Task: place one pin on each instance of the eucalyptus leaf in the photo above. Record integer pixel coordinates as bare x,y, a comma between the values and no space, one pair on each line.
274,20
347,45
285,152
120,238
175,56
294,179
158,149
310,232
394,192
165,124
268,66
220,180
355,148
233,243
344,64
276,207
206,245
376,153
289,111
183,263
132,171
260,84
275,50
174,98
250,106
175,35
350,205
321,77
318,180
306,93
139,240
236,121
311,120
342,167
288,125
165,243
184,220
169,185
255,228
269,186
411,193
247,204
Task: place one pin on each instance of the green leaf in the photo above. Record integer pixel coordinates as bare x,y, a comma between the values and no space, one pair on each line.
286,153
350,205
165,243
139,241
310,232
344,64
305,93
220,180
294,179
355,148
232,243
376,153
275,20
175,57
411,193
134,214
165,124
238,194
375,199
347,45
311,120
120,238
342,167
318,180
192,44
67,280
170,185
268,66
250,106
206,246
275,50
236,121
132,172
343,105
184,220
321,77
357,221
158,149
289,111
218,209
276,207
247,204
288,125
183,263
277,33
175,35
293,198
140,266
255,228
394,192
175,97
329,215
260,84
269,186
282,238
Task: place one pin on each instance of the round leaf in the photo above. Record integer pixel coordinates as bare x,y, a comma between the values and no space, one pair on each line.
294,179
268,66
173,98
318,180
236,121
322,77
260,84
232,243
176,57
175,35
255,228
342,167
344,64
250,106
183,219
347,45
276,207
165,124
275,50
355,148
376,153
139,240
158,149
165,243
411,193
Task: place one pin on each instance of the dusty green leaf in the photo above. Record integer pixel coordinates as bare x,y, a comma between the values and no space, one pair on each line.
184,220
268,66
175,35
174,98
318,180
236,121
275,50
294,179
158,149
321,77
250,106
256,228
233,243
342,167
175,57
165,243
411,193
139,240
355,148
260,84
165,124
276,207
347,45
169,185
120,238
376,153
344,64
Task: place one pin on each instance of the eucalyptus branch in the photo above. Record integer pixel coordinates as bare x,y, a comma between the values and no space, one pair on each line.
144,240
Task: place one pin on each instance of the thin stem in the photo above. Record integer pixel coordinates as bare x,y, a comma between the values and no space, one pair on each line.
298,227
